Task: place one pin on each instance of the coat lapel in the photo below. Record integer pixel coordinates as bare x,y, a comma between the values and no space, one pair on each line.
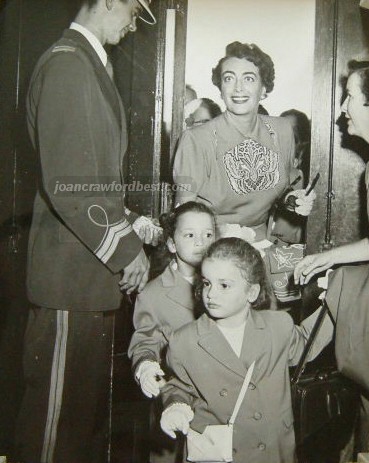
107,86
255,344
177,288
215,344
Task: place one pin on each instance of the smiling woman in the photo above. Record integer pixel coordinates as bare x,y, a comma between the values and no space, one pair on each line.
240,162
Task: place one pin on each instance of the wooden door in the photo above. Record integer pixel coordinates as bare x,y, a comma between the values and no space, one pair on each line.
339,216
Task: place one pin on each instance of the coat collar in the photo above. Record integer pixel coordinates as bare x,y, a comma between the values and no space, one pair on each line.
107,86
227,134
179,289
253,348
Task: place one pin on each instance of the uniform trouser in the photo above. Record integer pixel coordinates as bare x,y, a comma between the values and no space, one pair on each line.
65,409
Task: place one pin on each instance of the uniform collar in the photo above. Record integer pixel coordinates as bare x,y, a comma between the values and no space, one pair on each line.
93,40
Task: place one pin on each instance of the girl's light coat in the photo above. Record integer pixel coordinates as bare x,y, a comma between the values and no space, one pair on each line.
210,376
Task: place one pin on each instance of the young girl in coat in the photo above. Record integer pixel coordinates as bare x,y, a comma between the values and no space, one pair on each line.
210,358
168,302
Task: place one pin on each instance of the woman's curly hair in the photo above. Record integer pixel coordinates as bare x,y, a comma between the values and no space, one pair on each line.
361,68
252,53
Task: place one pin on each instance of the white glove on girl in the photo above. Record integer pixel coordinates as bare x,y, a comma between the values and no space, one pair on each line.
177,417
148,374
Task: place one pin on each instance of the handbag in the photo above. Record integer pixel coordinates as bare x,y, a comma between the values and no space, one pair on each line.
215,443
284,230
282,259
322,397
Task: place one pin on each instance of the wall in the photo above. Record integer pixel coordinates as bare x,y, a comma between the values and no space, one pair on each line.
282,28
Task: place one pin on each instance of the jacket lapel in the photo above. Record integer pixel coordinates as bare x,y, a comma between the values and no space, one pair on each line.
107,86
255,344
177,288
215,344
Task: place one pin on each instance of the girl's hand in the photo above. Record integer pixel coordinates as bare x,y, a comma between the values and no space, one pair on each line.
312,265
177,417
148,231
148,374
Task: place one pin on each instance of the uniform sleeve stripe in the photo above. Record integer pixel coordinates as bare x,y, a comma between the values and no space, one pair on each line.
109,244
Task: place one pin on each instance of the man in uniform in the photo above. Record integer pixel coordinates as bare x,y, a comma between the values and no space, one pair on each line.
82,243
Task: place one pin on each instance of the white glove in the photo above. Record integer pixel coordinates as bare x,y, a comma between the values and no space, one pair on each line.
148,373
147,230
323,283
304,204
177,417
234,230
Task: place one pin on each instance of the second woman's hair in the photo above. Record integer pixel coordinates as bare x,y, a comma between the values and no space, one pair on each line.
362,69
252,53
249,261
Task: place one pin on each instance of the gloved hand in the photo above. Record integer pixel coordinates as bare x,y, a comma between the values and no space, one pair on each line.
177,417
303,203
148,373
148,231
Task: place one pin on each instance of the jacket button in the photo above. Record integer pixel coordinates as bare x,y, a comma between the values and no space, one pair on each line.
257,416
261,446
223,393
252,386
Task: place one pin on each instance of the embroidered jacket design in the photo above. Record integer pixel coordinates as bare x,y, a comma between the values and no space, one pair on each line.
250,167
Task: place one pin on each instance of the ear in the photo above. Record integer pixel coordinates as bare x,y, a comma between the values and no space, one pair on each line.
253,292
171,246
263,94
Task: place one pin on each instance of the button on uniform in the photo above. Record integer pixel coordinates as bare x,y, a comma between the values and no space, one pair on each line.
261,446
257,416
223,393
252,386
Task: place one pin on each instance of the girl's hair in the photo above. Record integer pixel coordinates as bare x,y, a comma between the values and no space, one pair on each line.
161,256
252,53
169,220
249,261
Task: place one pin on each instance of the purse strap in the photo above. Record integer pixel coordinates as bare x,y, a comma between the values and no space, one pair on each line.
242,393
303,360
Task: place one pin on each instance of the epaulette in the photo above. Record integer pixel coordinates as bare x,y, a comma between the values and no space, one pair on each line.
63,48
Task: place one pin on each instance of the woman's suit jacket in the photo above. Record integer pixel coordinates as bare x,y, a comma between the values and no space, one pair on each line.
80,240
166,304
210,376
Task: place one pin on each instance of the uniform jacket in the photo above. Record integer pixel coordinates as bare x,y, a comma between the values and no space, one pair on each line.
210,376
166,304
79,240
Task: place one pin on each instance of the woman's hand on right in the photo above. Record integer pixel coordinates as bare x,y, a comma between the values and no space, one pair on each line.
177,417
312,265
